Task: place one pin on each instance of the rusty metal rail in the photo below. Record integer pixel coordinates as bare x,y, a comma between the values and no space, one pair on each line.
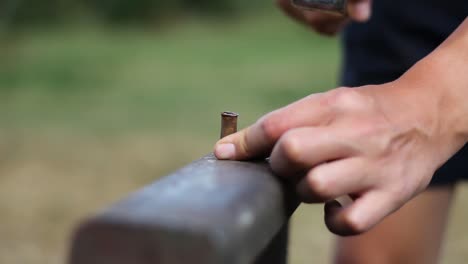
209,212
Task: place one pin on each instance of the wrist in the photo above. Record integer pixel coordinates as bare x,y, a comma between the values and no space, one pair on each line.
429,101
443,77
432,98
450,63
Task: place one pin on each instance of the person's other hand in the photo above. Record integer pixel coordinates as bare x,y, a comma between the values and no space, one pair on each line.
328,24
380,144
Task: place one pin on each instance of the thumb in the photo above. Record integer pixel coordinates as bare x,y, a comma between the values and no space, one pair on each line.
255,141
360,10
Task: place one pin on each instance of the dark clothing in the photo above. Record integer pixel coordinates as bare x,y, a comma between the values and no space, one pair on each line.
399,34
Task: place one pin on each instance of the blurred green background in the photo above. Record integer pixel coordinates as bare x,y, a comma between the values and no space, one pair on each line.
99,98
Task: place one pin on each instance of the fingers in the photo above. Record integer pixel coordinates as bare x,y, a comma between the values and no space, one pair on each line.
303,148
360,10
335,179
360,216
324,23
258,140
321,22
290,10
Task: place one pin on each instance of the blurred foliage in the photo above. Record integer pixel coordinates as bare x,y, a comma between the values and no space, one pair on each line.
90,112
30,12
22,12
114,78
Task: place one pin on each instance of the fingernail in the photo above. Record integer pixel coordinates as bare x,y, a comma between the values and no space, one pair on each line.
361,11
225,151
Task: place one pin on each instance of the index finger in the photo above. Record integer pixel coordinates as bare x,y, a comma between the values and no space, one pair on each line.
258,140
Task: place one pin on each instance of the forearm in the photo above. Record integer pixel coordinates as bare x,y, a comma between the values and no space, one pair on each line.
451,62
433,94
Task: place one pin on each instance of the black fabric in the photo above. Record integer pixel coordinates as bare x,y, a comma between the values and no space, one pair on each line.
399,34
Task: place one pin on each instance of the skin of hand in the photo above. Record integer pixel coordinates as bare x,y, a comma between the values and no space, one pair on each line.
380,144
324,23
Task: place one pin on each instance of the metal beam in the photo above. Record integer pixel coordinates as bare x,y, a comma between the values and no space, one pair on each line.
208,212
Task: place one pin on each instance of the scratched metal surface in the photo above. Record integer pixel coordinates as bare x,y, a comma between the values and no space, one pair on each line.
207,212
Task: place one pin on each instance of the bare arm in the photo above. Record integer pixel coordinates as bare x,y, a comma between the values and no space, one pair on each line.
381,143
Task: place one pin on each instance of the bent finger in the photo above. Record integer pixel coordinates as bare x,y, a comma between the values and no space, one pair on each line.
303,148
363,214
325,23
335,179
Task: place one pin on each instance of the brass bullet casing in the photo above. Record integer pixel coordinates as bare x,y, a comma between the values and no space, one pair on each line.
337,7
228,123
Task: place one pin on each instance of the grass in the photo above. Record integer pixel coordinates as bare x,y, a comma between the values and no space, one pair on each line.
130,79
90,113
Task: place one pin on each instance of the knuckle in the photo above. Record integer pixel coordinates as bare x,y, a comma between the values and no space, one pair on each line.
344,94
271,127
290,145
319,187
349,101
344,97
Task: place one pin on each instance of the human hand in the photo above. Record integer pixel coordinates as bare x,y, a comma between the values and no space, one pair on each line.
380,144
324,23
